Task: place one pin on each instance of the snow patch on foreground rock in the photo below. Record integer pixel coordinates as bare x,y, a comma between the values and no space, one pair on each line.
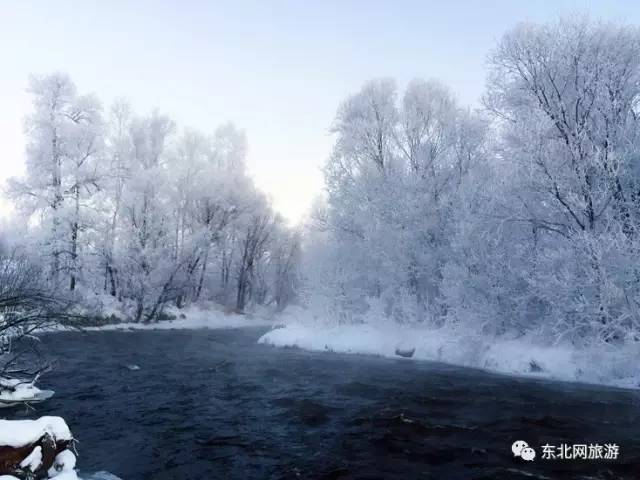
521,356
18,433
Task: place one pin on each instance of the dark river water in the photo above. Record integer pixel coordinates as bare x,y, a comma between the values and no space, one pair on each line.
216,405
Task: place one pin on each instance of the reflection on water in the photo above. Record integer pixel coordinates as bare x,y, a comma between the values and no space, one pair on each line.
214,404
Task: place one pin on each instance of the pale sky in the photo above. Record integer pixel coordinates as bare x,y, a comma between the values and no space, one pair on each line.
277,69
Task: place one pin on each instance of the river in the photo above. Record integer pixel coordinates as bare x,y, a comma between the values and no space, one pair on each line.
214,404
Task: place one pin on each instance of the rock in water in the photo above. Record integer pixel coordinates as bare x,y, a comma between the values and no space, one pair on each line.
405,352
12,459
29,448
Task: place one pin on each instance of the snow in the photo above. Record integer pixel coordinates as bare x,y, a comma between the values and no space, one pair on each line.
20,391
64,469
197,318
33,460
18,433
63,466
523,356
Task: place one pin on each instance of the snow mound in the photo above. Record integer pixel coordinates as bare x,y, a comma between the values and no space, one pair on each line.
18,390
18,433
63,467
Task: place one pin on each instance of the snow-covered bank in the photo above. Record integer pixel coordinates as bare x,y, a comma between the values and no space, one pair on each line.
522,356
208,317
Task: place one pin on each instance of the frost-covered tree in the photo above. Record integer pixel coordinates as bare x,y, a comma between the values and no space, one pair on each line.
394,182
254,237
285,266
142,215
147,251
525,225
64,149
118,155
565,96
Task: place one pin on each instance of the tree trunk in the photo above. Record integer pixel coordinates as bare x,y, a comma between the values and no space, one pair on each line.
74,241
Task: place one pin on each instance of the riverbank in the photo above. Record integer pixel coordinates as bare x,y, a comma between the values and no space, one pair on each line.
209,316
197,318
523,356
